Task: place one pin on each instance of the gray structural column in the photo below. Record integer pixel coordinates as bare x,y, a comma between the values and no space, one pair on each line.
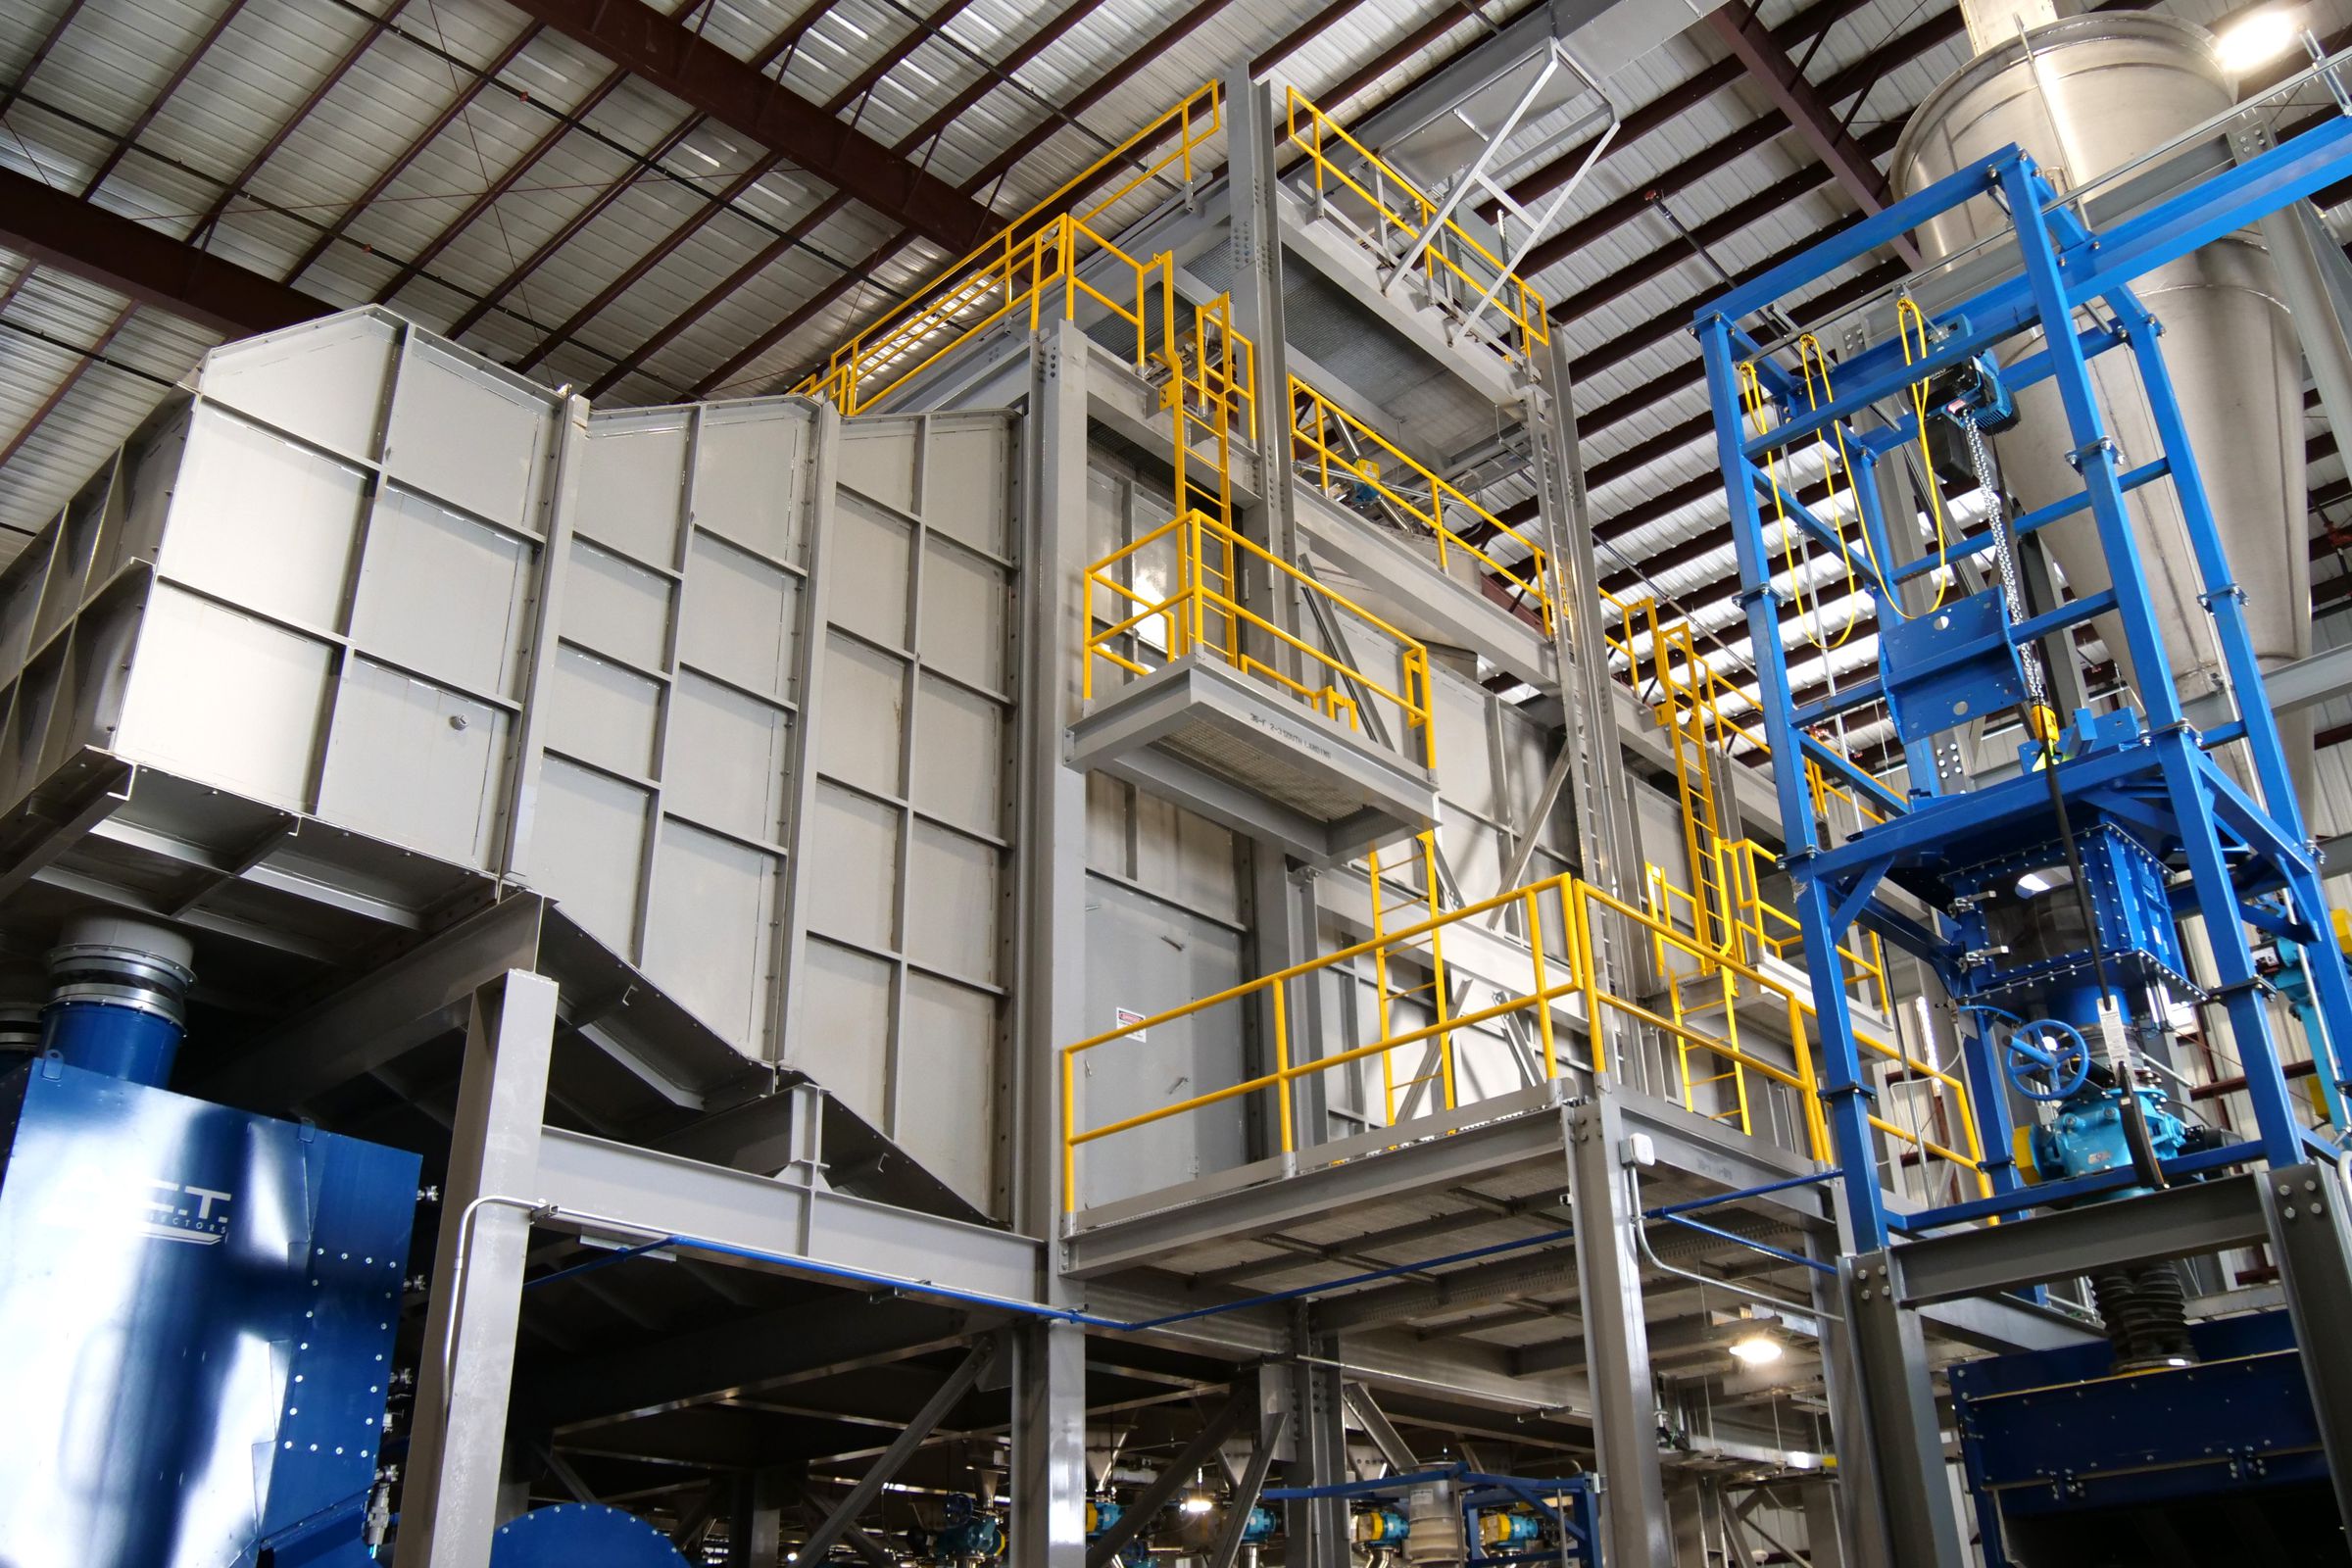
1256,291
1905,1436
1606,842
1047,1483
1316,1439
449,1492
1624,1409
1842,1520
2312,1234
1282,902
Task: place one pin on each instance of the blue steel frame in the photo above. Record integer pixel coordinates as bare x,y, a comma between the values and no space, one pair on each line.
2060,265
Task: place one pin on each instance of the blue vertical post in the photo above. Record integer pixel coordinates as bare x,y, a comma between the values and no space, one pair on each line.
1845,1095
2177,753
1988,1102
2330,990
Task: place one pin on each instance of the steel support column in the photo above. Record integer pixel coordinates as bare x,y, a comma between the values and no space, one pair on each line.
1625,1406
1905,1437
2311,1230
449,1492
1607,847
1847,1510
1048,1477
1048,1445
1315,1530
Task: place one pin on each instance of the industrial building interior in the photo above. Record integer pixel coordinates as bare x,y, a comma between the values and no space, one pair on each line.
1327,783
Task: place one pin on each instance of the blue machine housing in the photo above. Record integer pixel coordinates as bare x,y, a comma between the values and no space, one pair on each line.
2216,1462
197,1313
581,1534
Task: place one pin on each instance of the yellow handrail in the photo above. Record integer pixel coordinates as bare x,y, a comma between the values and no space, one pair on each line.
1455,261
1363,455
1560,913
1205,552
1018,264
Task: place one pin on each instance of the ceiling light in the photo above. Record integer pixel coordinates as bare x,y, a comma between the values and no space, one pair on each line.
2256,36
1756,1349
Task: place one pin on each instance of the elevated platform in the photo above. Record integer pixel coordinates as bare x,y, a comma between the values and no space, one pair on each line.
1242,753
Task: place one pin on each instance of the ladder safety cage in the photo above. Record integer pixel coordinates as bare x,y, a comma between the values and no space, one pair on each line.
1387,212
2244,851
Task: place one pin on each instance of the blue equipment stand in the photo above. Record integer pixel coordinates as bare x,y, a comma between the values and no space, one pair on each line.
2154,780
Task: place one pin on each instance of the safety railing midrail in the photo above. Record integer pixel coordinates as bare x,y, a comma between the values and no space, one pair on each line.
1355,463
1020,266
1559,914
1459,268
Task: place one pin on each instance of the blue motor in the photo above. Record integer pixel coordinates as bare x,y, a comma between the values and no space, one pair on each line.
1260,1526
967,1534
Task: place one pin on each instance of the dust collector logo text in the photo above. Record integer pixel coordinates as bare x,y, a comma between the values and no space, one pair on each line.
156,1206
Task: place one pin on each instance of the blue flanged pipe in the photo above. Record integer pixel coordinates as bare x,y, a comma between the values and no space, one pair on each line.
118,999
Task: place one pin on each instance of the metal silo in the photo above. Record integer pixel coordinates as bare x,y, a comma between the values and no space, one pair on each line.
2084,97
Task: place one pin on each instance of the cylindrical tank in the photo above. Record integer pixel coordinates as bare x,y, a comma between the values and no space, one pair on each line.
119,998
2083,96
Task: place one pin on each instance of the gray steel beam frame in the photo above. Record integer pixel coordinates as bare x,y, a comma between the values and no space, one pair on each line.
1163,1486
1375,1424
400,1005
597,1187
1625,1415
456,1439
1884,1291
2311,1232
901,1448
1049,1478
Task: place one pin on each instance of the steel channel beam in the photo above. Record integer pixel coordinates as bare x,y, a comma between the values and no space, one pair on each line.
1741,30
400,1005
832,1235
2178,1222
675,58
102,247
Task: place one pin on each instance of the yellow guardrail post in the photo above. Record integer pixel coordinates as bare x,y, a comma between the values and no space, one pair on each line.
1535,947
1282,1065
